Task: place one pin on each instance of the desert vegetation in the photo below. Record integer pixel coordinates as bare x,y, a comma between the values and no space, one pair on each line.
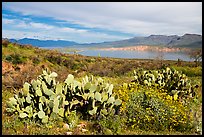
45,92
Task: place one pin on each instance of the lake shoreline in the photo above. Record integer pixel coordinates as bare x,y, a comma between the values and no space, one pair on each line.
148,48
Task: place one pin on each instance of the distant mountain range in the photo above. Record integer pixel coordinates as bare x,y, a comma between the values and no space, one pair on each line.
187,40
44,43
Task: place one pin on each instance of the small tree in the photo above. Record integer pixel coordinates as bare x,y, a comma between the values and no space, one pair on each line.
196,55
179,62
5,42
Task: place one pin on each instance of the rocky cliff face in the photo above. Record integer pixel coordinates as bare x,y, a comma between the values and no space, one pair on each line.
187,40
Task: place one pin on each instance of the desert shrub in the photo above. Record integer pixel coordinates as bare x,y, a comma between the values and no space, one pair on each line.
36,60
76,65
152,109
73,119
16,59
150,104
67,62
190,71
8,58
54,59
90,60
123,92
112,124
5,42
26,46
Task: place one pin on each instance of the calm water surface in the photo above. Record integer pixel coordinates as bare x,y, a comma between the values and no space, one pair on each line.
134,54
131,54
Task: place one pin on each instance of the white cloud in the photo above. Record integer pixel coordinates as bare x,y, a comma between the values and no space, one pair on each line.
67,29
84,38
20,29
136,18
34,25
7,21
40,26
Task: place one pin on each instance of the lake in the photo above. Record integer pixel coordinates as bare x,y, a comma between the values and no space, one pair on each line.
131,54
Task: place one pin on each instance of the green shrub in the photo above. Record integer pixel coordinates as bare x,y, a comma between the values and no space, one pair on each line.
112,123
8,58
72,119
55,59
16,59
36,60
152,109
123,92
190,71
149,103
76,65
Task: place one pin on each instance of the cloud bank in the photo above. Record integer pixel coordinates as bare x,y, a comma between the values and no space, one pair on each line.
101,21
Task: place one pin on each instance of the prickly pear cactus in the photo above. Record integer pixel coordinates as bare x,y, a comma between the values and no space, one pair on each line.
39,99
92,95
173,82
45,97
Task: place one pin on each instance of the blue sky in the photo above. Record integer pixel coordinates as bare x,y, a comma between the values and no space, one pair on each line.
87,22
